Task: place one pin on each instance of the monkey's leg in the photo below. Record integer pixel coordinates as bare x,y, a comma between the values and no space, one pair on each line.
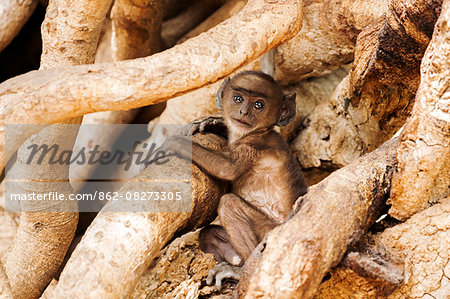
244,224
213,239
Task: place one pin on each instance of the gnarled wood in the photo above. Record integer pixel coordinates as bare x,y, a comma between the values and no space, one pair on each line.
13,15
130,241
46,228
423,175
78,22
45,233
332,216
372,103
176,27
327,39
45,96
136,28
421,242
5,288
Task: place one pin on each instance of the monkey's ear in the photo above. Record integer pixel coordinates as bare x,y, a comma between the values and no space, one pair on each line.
219,93
288,110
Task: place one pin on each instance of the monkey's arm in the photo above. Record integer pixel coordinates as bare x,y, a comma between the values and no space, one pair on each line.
217,164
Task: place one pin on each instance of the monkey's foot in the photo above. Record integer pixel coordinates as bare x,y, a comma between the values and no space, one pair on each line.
221,272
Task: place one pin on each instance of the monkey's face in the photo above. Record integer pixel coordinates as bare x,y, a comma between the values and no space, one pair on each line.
251,103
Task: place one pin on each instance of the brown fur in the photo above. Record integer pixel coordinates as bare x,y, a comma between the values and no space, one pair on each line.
266,178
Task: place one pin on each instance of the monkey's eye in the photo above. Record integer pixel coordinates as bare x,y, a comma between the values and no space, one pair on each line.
258,105
237,99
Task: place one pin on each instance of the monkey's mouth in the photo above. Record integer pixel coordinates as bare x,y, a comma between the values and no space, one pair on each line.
241,122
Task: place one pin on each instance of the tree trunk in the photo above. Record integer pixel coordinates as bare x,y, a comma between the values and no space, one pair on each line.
333,215
5,288
130,241
422,243
46,229
423,175
372,103
136,28
13,15
45,96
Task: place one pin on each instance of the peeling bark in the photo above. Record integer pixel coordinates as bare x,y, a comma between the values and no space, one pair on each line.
13,15
327,39
423,175
177,272
373,102
422,243
45,96
296,255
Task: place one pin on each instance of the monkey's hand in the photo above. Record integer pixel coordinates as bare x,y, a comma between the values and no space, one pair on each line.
221,272
210,124
177,146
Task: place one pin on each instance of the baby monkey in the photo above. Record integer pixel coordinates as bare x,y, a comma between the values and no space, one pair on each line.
265,177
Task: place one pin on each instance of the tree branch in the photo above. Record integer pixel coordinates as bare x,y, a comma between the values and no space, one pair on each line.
332,216
56,94
130,241
13,15
424,151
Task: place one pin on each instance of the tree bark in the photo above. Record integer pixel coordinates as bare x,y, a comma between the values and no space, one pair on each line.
177,272
46,229
332,216
327,39
130,241
98,135
229,8
104,51
136,28
5,288
310,94
372,103
422,243
13,15
176,27
423,175
45,96
78,22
